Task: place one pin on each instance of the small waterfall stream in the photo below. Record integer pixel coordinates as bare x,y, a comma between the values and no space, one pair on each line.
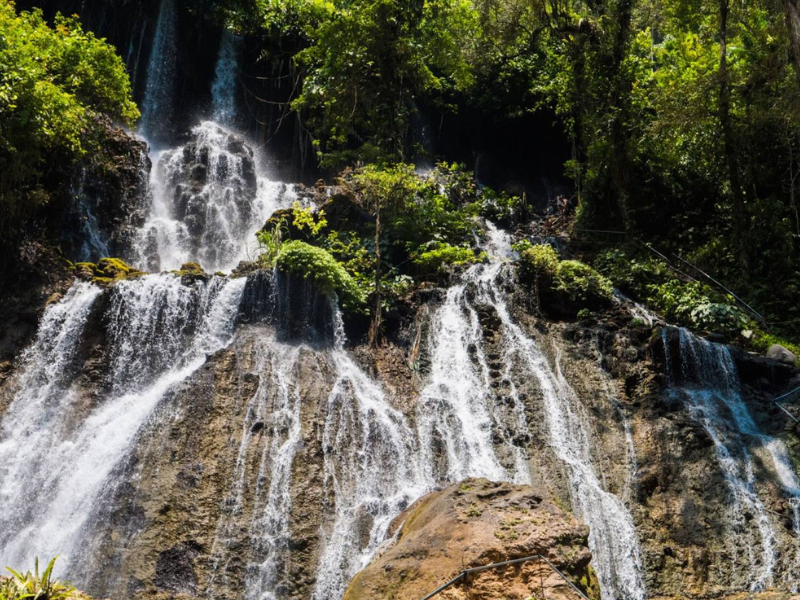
157,104
707,377
466,416
370,471
226,77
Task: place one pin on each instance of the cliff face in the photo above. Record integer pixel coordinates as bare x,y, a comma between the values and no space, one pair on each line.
278,460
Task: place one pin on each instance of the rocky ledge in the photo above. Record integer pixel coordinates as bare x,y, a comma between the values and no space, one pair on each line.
475,523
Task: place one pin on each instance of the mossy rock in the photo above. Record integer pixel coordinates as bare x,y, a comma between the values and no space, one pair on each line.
192,267
107,271
113,267
85,270
191,272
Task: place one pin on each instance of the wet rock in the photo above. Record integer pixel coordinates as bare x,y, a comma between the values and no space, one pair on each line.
175,569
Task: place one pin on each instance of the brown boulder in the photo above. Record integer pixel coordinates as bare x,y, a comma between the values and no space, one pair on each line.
475,523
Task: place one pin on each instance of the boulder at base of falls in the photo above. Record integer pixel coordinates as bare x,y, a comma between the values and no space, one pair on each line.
781,354
474,523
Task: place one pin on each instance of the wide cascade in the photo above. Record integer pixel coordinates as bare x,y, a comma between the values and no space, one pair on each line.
158,332
705,375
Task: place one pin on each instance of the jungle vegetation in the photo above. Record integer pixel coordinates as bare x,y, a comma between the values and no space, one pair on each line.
683,117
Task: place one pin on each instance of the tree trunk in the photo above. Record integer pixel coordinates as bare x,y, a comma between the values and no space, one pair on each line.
734,179
620,167
793,24
375,325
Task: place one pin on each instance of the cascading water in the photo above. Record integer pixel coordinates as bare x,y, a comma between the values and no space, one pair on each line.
706,376
157,104
208,203
457,351
226,76
161,331
370,471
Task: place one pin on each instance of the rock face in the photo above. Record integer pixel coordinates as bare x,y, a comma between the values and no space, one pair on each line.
240,474
109,198
475,523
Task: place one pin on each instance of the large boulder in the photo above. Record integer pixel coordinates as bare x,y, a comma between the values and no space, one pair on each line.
781,354
475,523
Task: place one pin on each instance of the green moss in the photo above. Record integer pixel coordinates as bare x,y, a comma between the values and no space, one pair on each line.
318,266
106,271
191,267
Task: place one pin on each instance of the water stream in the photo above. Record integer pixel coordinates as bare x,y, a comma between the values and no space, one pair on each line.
466,417
707,377
161,332
226,79
157,104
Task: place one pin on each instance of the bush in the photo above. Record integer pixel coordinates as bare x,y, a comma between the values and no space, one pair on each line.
318,266
52,82
761,342
687,303
539,263
440,255
580,283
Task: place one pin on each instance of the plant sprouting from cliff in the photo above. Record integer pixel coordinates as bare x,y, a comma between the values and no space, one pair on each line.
382,191
307,218
35,585
270,240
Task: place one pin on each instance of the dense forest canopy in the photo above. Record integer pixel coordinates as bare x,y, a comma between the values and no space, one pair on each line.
682,115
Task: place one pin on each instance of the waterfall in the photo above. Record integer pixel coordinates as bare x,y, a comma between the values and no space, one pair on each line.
370,471
226,73
272,421
161,331
706,375
208,202
157,105
458,355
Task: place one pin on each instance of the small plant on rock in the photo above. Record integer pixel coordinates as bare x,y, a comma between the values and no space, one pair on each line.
35,585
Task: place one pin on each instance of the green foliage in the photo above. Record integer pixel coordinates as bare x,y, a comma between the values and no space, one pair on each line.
20,586
437,256
317,265
307,218
580,283
52,82
569,283
761,342
270,240
689,303
538,263
366,63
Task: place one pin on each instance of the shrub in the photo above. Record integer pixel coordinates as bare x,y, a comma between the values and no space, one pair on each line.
539,263
761,342
440,255
318,266
580,283
52,82
38,586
